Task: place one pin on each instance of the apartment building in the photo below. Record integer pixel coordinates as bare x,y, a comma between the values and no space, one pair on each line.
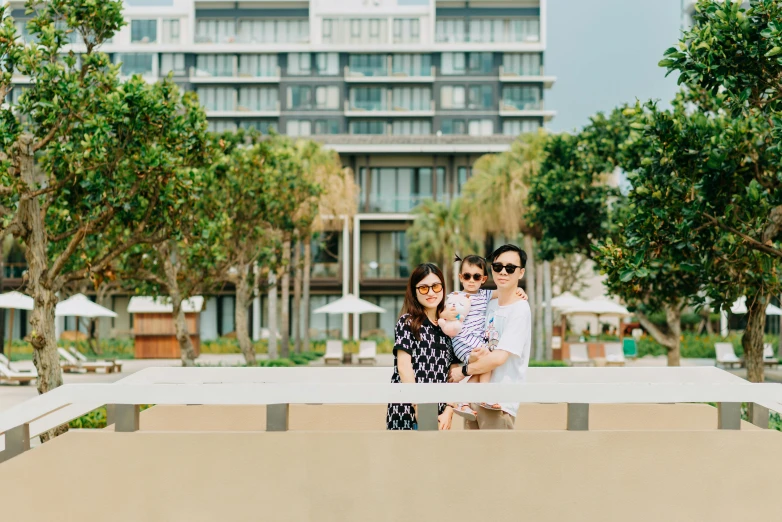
409,93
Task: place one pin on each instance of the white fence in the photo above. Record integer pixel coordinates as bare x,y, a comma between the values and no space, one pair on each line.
279,387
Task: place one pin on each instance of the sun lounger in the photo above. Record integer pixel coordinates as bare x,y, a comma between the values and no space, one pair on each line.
579,355
630,348
367,351
727,356
615,355
70,363
769,359
333,352
9,376
83,359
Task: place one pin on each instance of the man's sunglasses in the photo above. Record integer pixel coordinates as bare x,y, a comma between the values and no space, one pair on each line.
497,267
424,289
474,277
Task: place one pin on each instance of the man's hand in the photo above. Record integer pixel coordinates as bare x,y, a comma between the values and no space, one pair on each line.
445,418
449,314
521,293
479,352
455,375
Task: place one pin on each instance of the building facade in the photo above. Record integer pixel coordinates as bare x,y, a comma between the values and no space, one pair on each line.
408,92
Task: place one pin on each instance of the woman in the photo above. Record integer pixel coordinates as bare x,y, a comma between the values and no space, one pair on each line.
422,352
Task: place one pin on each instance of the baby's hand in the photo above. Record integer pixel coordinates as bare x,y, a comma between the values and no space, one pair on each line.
478,352
521,293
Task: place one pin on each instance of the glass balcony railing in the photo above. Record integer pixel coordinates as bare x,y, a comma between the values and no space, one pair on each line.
14,270
521,105
325,270
374,105
391,204
423,70
368,70
381,270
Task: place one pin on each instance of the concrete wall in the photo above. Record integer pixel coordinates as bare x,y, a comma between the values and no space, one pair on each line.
545,476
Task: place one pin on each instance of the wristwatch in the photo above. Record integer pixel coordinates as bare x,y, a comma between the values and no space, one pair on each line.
464,370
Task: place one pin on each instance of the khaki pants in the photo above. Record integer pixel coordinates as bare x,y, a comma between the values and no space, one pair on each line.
490,420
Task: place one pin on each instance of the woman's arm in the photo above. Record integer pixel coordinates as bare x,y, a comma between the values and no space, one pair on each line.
404,363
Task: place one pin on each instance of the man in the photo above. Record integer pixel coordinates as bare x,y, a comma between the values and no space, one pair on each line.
509,325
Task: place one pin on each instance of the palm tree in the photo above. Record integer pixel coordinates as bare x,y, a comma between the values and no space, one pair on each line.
438,233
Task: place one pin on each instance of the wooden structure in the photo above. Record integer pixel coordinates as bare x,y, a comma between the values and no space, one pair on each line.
154,332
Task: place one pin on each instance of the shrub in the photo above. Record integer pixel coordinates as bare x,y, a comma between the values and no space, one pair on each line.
695,346
96,419
541,364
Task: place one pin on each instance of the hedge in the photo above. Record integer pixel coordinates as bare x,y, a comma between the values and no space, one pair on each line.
697,346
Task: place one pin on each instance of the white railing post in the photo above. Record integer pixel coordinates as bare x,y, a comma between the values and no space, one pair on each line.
277,417
127,417
17,441
729,415
577,417
427,417
758,415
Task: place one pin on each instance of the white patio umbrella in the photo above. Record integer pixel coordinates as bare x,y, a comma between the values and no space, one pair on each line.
350,304
740,308
599,307
80,306
14,301
563,302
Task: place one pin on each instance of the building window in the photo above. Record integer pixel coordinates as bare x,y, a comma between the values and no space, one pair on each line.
302,97
516,127
453,126
327,30
467,63
217,98
480,97
411,127
392,189
412,65
215,31
368,65
522,98
258,65
355,29
326,127
407,30
384,255
259,125
368,98
325,255
299,64
451,30
324,326
214,65
412,98
462,175
221,126
171,31
381,325
327,64
488,30
452,97
274,31
172,63
522,64
258,99
143,31
480,127
368,127
453,63
298,128
135,63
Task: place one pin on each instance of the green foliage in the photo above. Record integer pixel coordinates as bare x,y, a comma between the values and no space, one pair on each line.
109,348
545,364
697,346
96,419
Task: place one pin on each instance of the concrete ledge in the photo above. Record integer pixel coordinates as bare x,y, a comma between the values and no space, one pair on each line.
545,476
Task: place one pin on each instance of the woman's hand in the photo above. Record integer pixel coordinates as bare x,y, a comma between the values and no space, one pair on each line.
449,314
479,352
521,293
455,374
445,418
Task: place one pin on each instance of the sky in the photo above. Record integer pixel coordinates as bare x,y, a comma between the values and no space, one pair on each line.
605,53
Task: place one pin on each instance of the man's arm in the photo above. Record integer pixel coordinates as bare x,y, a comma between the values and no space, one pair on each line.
485,364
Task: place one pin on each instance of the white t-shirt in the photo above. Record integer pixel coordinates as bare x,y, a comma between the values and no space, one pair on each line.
513,324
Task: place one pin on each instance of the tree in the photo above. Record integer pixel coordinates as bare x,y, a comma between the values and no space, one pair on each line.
85,156
437,234
732,59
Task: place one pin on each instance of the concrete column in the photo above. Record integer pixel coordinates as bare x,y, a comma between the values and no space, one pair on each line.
345,271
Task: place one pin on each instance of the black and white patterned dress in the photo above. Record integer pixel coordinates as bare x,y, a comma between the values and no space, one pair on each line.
431,356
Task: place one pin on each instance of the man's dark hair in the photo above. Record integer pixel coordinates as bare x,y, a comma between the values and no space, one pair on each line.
509,248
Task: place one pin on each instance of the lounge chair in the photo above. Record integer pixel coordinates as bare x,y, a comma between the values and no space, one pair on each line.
579,355
70,363
9,376
333,352
83,359
367,351
769,359
630,348
4,360
615,355
727,356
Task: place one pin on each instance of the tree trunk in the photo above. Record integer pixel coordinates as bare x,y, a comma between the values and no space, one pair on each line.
529,274
285,297
305,308
752,340
42,336
539,337
548,318
272,343
671,340
241,317
297,276
186,349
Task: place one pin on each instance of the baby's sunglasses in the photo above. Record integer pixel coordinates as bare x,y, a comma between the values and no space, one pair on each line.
474,277
424,289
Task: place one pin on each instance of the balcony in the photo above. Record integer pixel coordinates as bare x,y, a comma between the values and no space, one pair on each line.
390,204
519,108
390,270
385,109
233,76
521,76
381,75
241,111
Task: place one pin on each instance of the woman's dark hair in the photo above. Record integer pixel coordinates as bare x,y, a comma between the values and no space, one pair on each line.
411,305
474,260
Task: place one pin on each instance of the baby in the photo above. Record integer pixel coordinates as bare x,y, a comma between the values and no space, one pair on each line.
473,274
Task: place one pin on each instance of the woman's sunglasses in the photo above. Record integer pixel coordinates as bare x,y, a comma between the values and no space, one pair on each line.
497,267
424,289
474,277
